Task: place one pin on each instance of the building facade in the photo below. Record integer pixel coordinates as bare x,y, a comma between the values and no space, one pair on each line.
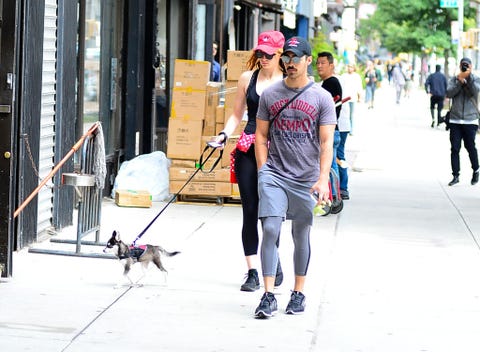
67,64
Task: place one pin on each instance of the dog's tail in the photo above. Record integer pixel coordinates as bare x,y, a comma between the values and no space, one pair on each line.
167,253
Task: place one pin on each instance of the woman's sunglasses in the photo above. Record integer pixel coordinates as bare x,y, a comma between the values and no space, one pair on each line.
287,59
259,54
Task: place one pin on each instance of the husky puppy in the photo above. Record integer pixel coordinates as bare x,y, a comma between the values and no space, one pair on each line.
129,255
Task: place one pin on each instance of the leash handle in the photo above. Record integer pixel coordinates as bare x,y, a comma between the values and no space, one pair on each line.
214,146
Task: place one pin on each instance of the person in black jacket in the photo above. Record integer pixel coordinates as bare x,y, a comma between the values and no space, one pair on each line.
463,89
436,87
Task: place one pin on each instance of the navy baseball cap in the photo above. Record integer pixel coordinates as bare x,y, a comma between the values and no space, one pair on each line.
298,45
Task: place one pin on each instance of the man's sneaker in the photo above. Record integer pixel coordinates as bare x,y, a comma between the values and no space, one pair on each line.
252,283
296,304
344,194
267,306
454,181
475,177
278,275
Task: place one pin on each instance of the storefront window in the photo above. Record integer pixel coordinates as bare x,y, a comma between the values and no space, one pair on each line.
160,66
92,61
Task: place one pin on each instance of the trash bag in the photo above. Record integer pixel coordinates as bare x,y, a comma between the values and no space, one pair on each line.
148,172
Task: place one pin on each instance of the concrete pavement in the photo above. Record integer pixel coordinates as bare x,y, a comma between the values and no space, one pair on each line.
396,271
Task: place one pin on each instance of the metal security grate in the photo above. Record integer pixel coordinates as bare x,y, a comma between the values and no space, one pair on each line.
89,197
90,200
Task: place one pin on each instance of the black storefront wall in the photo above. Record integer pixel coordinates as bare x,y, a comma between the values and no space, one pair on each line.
9,16
246,22
29,112
140,77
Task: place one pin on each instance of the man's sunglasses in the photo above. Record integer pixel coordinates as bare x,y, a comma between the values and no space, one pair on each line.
259,54
287,59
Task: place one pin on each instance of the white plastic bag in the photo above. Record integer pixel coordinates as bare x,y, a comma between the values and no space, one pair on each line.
147,172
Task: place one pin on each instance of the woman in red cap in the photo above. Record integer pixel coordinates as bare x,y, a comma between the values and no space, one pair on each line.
264,68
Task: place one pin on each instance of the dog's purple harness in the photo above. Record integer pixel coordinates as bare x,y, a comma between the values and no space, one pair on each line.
135,252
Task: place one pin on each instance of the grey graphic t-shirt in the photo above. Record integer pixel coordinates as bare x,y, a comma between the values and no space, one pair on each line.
294,141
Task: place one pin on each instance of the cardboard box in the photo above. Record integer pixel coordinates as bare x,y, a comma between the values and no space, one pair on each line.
199,188
236,63
183,174
184,138
219,127
132,198
191,74
235,190
188,104
231,143
230,94
208,129
212,99
220,114
183,163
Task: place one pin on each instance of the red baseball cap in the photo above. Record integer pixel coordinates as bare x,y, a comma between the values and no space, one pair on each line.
269,42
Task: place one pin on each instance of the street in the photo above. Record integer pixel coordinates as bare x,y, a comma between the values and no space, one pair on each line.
397,270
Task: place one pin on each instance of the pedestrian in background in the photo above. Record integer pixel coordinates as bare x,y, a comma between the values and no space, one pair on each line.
436,87
371,78
344,128
398,78
351,87
294,154
389,69
215,76
409,76
326,71
463,89
264,69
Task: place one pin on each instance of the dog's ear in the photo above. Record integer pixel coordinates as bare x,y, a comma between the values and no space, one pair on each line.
115,235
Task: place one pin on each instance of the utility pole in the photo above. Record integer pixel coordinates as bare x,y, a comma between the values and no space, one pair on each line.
476,43
460,31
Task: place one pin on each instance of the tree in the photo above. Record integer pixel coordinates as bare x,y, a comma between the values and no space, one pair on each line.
412,26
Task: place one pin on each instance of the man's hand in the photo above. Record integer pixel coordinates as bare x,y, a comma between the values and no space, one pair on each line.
463,75
322,190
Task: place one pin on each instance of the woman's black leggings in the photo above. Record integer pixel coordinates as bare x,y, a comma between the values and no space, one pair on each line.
246,174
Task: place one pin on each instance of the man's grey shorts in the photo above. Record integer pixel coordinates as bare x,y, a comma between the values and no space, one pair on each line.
282,197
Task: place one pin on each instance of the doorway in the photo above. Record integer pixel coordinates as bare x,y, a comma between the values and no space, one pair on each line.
8,17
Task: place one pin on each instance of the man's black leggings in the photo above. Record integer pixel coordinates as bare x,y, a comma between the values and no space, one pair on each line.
246,174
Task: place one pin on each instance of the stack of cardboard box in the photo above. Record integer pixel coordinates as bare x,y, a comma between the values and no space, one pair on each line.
197,114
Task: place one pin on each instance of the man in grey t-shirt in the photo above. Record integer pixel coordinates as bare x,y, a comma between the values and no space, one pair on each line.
295,163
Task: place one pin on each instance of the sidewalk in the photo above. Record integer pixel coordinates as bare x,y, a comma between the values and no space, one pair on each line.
396,271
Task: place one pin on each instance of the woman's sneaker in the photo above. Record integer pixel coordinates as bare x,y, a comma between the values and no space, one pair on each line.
267,307
252,283
296,304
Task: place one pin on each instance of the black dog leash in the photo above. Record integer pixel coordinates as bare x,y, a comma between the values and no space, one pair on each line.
200,167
